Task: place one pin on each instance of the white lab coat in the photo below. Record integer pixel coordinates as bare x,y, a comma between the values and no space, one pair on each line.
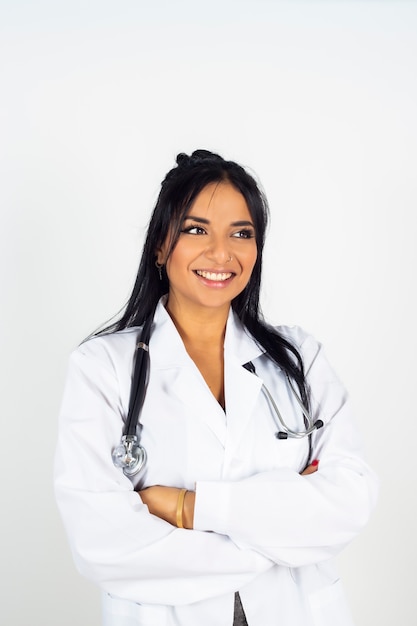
260,527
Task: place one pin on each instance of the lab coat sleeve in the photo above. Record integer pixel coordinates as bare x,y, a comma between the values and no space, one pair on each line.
114,539
299,520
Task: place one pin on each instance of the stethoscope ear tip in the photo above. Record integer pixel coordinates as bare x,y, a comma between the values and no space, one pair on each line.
281,435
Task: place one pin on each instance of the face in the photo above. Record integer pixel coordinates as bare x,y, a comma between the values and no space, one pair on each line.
214,256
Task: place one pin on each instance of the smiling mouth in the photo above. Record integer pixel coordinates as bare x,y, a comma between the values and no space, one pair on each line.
214,276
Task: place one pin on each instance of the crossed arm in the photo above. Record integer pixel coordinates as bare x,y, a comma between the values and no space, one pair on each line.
163,501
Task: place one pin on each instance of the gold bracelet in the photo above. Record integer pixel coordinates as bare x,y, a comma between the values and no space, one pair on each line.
180,507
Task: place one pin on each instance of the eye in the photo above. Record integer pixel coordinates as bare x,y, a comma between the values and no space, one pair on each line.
245,233
193,229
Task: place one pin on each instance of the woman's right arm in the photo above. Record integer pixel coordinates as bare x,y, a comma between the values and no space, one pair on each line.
114,539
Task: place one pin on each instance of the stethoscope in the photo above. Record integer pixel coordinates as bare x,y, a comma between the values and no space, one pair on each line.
131,457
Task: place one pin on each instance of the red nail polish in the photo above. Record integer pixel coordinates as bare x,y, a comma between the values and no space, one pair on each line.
314,463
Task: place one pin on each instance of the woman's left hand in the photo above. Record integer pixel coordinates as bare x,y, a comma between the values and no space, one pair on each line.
163,501
310,469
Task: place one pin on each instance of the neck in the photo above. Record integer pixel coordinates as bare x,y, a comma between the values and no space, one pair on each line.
202,326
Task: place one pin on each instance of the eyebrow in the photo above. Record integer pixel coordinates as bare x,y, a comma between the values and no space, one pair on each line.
204,220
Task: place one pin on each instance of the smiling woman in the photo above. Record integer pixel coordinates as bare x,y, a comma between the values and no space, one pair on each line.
212,530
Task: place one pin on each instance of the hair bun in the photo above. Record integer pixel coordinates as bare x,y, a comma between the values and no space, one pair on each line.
197,158
182,159
205,155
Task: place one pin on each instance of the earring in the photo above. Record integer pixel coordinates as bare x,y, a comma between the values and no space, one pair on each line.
159,267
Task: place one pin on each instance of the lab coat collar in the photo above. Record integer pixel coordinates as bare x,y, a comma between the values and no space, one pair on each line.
168,350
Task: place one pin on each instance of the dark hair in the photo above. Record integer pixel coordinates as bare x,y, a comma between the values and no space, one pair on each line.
178,191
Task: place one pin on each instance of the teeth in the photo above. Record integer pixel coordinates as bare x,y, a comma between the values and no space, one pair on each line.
213,275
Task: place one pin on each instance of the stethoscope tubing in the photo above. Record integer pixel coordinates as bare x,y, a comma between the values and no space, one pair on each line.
138,387
284,431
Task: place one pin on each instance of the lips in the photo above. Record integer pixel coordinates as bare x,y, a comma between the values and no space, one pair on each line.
214,276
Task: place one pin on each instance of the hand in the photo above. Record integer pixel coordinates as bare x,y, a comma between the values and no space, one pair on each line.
162,502
310,469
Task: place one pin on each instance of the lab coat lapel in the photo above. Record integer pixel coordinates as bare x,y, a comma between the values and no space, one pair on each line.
191,389
242,388
168,353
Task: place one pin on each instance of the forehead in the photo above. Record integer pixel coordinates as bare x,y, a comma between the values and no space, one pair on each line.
219,199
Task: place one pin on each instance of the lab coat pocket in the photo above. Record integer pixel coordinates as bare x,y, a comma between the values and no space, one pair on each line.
329,607
119,612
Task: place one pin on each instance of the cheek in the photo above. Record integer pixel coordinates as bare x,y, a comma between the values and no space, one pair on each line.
176,262
251,259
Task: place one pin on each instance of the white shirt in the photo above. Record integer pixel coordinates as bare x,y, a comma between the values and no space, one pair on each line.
259,527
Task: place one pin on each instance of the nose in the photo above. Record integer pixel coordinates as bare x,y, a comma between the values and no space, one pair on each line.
218,251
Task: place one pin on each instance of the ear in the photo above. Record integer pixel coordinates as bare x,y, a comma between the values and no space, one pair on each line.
161,255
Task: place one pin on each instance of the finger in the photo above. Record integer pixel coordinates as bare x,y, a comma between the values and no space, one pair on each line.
310,469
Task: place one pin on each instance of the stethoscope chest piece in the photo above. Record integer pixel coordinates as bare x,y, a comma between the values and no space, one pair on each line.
129,455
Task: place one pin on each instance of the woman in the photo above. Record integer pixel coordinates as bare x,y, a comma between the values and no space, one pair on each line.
228,522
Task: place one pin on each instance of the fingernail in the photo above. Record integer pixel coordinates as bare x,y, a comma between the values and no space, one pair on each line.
315,462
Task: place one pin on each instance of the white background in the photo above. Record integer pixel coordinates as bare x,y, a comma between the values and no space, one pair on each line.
319,100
